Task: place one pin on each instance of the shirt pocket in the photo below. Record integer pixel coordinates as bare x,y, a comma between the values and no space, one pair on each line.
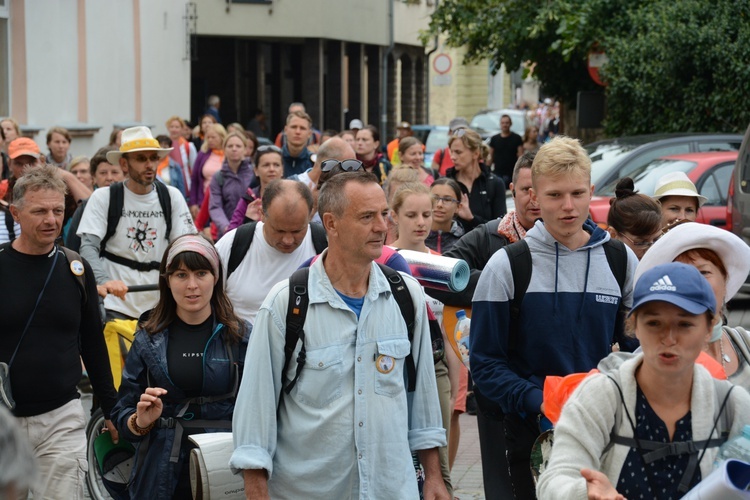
320,380
389,366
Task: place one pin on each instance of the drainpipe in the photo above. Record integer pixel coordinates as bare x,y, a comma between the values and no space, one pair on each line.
427,74
384,90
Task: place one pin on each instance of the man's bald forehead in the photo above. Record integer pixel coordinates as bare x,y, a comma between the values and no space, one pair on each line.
335,148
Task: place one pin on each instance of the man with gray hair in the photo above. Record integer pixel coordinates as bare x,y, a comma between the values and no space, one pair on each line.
347,426
257,255
49,323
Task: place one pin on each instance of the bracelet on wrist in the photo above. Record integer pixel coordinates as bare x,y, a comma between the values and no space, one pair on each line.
142,431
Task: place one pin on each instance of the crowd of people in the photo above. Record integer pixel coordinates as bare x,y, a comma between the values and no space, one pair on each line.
284,312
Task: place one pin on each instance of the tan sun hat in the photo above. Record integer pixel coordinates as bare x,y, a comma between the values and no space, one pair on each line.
677,184
137,139
733,252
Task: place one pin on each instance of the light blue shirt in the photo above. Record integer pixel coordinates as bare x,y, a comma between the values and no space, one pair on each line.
348,427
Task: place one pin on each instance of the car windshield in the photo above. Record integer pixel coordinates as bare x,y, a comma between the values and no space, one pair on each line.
646,177
603,156
437,139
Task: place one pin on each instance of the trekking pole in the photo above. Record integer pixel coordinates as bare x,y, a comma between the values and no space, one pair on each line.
143,288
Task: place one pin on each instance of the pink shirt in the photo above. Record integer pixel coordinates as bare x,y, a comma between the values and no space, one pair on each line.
212,165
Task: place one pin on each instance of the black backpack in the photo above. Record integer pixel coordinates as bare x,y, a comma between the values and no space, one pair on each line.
297,312
245,233
114,213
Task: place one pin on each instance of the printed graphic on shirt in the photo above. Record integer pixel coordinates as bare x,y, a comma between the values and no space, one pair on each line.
192,354
142,237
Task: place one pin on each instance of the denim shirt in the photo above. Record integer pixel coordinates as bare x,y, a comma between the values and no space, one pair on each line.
348,426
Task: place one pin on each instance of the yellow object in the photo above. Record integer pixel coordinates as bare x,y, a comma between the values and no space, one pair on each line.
449,325
118,334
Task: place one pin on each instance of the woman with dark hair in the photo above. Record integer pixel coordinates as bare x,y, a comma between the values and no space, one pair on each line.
483,196
183,370
367,147
634,219
269,167
252,147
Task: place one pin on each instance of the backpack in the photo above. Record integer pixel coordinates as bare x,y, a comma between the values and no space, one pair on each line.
116,202
519,256
243,238
297,312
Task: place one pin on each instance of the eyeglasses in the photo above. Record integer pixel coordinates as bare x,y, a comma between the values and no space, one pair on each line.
639,244
445,199
346,165
459,132
269,147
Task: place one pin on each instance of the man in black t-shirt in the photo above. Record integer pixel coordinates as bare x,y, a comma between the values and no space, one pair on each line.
505,148
51,320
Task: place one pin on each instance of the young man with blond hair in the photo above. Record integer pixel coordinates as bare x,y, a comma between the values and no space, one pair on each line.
568,317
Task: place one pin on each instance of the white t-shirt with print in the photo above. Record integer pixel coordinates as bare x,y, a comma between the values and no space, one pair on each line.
260,270
140,236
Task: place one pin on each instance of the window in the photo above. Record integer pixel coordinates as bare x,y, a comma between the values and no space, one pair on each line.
719,146
715,184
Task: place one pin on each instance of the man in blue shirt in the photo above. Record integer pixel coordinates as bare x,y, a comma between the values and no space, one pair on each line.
348,426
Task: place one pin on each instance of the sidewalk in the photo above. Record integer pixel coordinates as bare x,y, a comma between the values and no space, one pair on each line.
467,469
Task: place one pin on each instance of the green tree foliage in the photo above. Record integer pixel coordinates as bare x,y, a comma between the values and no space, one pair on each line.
673,66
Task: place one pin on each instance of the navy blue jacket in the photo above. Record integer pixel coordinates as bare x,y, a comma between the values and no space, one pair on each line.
147,361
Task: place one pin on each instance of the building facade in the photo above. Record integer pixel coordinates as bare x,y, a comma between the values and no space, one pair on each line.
91,65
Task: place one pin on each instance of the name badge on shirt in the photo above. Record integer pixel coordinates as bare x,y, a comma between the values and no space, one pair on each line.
385,364
76,266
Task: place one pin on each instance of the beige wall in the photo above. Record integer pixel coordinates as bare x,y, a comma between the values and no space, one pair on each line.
464,96
363,21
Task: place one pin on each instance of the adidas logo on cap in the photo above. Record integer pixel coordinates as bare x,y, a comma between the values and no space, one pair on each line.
664,284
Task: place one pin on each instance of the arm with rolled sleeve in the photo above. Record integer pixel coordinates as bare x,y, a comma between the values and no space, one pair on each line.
254,425
425,422
490,326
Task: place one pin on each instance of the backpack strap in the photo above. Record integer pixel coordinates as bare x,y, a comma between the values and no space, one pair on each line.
295,321
114,212
650,451
319,237
617,258
165,200
405,303
243,238
9,223
80,278
519,256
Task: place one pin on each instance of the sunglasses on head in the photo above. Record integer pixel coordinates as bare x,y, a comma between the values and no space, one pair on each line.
459,132
346,165
269,147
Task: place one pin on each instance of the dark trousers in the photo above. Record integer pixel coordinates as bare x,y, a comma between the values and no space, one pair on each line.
497,485
520,434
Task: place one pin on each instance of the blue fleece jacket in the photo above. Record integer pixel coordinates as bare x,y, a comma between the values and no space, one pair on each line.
295,165
567,318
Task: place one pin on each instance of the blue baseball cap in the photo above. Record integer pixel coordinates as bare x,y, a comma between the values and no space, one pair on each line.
677,283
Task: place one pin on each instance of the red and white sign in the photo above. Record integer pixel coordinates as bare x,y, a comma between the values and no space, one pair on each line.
442,64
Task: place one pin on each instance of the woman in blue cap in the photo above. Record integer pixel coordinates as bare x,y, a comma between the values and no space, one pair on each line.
649,426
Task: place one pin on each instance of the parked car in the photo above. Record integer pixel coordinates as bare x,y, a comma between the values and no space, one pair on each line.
487,121
433,137
613,159
738,205
710,172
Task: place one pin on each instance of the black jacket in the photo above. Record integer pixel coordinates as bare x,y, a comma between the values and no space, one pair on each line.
486,199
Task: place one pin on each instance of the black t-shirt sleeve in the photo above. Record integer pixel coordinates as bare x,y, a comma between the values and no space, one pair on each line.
93,347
